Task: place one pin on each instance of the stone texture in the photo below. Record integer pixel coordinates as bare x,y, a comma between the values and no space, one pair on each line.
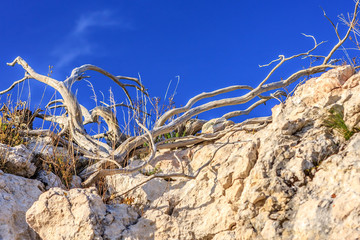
17,160
74,214
78,214
17,194
215,125
118,217
143,195
49,179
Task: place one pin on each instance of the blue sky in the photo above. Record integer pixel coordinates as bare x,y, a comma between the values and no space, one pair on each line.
208,44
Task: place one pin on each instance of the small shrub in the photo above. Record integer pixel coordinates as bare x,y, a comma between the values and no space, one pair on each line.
13,122
62,166
9,134
335,120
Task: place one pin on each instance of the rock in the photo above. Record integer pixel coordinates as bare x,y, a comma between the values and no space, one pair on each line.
143,195
190,127
49,179
74,214
78,214
17,160
17,194
118,218
75,182
324,90
215,125
43,147
331,199
273,184
165,161
188,209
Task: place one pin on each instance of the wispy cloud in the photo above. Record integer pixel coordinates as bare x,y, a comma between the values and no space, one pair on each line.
95,19
77,43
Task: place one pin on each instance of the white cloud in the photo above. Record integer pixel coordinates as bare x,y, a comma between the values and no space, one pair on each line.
77,43
69,52
95,19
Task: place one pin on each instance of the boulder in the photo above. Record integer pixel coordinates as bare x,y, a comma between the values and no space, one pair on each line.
49,179
17,194
215,125
78,214
74,214
17,160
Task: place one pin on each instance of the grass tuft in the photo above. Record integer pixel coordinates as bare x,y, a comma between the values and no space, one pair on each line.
335,120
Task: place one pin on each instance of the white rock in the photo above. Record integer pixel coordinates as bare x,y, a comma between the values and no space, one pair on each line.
78,214
118,218
144,194
18,160
215,125
17,194
75,182
74,214
49,179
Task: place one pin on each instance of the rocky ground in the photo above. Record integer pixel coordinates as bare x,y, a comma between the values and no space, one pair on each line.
296,178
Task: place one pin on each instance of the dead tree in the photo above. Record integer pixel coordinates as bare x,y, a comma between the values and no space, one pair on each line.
76,116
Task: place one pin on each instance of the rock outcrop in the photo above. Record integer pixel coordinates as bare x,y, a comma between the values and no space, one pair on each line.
17,160
290,180
78,214
17,195
295,178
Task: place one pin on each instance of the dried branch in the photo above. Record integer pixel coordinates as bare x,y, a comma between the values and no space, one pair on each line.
77,73
74,116
105,172
341,41
175,175
161,121
335,27
14,84
114,135
283,59
249,109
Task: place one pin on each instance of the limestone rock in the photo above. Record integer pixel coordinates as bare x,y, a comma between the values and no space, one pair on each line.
143,195
290,180
78,214
17,160
118,218
325,89
75,182
43,147
17,194
49,179
215,125
74,214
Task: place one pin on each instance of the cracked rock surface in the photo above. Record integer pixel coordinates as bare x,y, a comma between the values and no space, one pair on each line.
17,194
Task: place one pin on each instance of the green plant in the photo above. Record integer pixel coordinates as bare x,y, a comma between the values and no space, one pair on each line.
335,120
153,171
